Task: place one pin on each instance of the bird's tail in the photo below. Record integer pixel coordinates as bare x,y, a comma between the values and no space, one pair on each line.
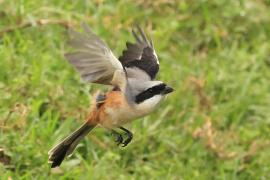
66,147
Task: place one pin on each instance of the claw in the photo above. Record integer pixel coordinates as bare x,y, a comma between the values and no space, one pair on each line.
127,141
118,137
124,145
129,137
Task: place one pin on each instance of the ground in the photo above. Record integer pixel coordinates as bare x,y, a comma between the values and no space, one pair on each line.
215,125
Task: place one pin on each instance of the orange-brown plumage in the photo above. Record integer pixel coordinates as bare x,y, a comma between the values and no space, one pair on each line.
99,115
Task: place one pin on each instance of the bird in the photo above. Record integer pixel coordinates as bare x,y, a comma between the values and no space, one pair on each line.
134,91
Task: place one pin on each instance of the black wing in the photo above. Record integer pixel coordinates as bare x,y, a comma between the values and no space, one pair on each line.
141,54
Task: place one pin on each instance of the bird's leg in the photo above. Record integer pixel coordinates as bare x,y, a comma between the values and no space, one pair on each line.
118,137
129,136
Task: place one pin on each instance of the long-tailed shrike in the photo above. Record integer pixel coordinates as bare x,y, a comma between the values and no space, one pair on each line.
135,91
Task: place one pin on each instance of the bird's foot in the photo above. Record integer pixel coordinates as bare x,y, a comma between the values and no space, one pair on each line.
118,137
129,137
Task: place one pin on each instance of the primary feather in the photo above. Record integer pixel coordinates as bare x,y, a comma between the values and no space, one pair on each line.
141,54
92,58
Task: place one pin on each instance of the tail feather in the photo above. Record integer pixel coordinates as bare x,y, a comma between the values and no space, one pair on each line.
66,146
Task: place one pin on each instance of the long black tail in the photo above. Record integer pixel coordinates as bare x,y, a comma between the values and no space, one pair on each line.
66,147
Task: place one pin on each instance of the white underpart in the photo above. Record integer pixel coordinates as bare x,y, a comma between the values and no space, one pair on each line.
127,113
147,106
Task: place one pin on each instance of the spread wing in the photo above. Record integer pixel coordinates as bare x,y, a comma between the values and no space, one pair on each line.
92,58
141,54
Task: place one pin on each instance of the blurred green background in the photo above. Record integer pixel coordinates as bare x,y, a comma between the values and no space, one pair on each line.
214,126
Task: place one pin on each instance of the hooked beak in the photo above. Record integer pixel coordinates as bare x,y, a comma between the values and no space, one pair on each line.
168,90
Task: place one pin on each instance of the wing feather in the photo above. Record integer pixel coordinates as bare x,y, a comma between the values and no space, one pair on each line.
141,54
91,57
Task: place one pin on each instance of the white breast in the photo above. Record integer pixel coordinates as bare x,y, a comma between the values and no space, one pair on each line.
147,106
128,113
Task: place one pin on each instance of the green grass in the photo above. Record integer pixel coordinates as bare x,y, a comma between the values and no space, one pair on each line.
216,54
